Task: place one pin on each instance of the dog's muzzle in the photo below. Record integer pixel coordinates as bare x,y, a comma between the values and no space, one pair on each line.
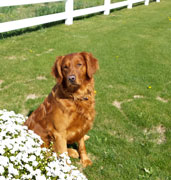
72,79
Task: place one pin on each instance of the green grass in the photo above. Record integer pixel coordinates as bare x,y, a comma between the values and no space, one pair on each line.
133,48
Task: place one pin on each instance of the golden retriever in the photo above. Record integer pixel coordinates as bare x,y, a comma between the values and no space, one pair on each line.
67,114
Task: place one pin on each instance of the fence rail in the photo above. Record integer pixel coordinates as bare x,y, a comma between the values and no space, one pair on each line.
67,15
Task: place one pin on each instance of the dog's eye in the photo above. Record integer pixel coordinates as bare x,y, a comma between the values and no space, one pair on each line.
79,64
65,67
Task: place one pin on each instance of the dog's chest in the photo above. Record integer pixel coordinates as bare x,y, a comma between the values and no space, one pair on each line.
82,116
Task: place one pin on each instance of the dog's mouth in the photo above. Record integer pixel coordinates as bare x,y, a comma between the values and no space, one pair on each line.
72,83
71,86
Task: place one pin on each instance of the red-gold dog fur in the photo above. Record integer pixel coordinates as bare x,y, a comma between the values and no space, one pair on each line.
68,112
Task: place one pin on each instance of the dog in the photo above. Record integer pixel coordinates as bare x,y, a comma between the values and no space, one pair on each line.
67,114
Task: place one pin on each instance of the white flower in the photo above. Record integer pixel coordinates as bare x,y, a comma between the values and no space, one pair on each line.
38,151
1,169
29,168
38,172
24,157
23,148
40,177
4,161
12,158
12,170
2,178
32,158
1,149
35,163
25,177
29,176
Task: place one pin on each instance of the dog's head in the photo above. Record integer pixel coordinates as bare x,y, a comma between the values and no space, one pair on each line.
74,69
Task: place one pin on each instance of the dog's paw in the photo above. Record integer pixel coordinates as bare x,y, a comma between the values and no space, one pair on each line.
45,145
86,162
86,137
73,153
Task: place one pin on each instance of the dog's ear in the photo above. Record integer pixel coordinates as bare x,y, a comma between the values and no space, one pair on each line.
56,69
91,62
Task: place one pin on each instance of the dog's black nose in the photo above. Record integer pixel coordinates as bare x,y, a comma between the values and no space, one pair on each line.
72,78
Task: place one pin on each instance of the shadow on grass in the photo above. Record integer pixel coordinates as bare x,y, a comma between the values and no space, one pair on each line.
36,28
28,30
73,146
30,112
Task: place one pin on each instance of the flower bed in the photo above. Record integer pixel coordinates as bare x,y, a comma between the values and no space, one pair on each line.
21,157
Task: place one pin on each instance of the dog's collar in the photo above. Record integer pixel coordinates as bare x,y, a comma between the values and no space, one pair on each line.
67,95
84,97
80,99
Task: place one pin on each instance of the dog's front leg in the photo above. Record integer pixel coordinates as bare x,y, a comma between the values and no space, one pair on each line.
83,154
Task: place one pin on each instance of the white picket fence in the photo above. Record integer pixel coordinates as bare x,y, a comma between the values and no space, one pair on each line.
67,15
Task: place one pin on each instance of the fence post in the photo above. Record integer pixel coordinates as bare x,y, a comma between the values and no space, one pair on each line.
107,7
69,6
146,2
129,4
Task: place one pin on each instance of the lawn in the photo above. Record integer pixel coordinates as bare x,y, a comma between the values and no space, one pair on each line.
131,137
